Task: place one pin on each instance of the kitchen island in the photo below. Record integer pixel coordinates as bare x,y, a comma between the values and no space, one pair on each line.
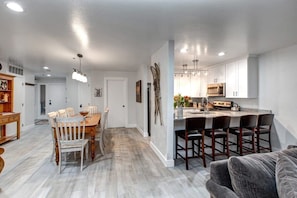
179,122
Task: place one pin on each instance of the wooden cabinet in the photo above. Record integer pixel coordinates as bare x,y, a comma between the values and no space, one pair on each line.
217,74
242,78
6,93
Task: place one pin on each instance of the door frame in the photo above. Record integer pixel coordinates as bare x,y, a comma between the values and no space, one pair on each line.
105,94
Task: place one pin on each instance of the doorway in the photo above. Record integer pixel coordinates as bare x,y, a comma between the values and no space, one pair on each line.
51,97
116,101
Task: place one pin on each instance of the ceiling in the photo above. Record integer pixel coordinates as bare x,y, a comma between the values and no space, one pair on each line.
121,35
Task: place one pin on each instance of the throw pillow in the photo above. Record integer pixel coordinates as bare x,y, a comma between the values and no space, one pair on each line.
253,175
286,176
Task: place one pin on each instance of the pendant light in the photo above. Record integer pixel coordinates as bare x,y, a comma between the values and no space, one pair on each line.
77,74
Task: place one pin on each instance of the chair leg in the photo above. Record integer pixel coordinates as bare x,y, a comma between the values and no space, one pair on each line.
227,145
60,161
240,142
101,145
176,141
213,148
186,147
81,159
258,142
203,154
269,139
253,143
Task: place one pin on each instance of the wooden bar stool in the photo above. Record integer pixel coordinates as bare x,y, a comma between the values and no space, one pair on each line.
219,130
194,131
264,127
246,128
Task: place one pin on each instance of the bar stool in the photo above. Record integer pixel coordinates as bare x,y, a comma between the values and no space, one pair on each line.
219,130
246,128
194,131
264,127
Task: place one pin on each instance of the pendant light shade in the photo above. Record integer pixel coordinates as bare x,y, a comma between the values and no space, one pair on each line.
77,74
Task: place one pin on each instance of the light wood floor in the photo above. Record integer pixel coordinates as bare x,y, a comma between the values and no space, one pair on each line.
129,169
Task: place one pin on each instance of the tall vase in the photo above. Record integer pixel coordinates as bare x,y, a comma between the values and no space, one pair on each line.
180,111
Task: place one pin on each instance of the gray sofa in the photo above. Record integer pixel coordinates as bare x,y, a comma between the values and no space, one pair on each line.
264,175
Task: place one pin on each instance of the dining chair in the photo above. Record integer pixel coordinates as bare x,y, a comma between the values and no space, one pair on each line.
92,109
70,111
219,130
194,131
62,113
51,116
70,133
264,127
246,128
100,135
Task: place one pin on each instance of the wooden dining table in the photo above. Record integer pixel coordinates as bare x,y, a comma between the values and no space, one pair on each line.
92,121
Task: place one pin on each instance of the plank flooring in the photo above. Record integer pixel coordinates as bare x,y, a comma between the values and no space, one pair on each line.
128,169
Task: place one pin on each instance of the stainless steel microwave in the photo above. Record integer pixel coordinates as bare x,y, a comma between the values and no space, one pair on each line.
217,89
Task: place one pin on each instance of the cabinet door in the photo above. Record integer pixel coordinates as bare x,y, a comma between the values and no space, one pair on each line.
242,91
217,74
231,79
203,86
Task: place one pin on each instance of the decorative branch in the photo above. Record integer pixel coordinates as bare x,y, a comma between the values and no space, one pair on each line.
156,76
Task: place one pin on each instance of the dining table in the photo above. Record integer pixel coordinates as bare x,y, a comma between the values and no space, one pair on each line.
92,121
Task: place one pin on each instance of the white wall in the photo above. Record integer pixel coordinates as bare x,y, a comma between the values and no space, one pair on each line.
30,101
162,135
96,78
277,91
141,108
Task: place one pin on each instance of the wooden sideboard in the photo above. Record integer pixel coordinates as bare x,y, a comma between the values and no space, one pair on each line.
6,118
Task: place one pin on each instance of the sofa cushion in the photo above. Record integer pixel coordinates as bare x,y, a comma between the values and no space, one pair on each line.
254,175
286,175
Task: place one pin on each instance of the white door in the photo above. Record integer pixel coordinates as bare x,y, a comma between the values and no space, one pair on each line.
116,100
52,97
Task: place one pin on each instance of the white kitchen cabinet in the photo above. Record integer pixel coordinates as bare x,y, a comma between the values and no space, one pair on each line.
242,78
216,74
189,85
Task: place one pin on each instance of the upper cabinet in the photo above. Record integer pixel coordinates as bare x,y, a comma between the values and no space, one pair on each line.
216,74
6,93
242,78
190,85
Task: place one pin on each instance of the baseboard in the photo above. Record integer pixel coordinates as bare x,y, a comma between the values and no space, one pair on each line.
131,126
144,134
167,163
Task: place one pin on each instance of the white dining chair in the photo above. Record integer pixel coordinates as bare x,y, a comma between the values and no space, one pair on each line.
100,136
62,113
92,109
70,133
51,116
70,111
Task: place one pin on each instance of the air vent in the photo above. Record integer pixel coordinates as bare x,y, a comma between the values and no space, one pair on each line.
16,70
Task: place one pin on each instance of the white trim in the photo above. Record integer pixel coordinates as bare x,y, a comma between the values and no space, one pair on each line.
167,163
144,134
125,96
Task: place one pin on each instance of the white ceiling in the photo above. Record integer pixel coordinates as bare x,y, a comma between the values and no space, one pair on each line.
121,35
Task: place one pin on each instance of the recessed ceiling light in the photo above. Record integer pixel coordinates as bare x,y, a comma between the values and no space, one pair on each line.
45,67
48,75
221,54
14,6
184,50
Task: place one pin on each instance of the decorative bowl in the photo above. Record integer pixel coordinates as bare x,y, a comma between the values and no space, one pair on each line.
83,113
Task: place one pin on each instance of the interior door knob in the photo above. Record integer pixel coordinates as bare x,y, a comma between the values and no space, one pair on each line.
123,105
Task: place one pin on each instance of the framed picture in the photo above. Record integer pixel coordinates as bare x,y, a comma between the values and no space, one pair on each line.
98,92
138,91
3,84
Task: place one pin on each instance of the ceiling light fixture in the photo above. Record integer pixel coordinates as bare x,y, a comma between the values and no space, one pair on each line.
221,54
77,74
14,6
195,71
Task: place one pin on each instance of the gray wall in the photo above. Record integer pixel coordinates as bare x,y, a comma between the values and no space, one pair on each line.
277,91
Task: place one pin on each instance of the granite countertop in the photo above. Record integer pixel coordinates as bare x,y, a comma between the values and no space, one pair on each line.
191,112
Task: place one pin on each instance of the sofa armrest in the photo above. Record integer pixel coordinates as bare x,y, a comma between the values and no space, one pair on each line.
219,191
219,173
